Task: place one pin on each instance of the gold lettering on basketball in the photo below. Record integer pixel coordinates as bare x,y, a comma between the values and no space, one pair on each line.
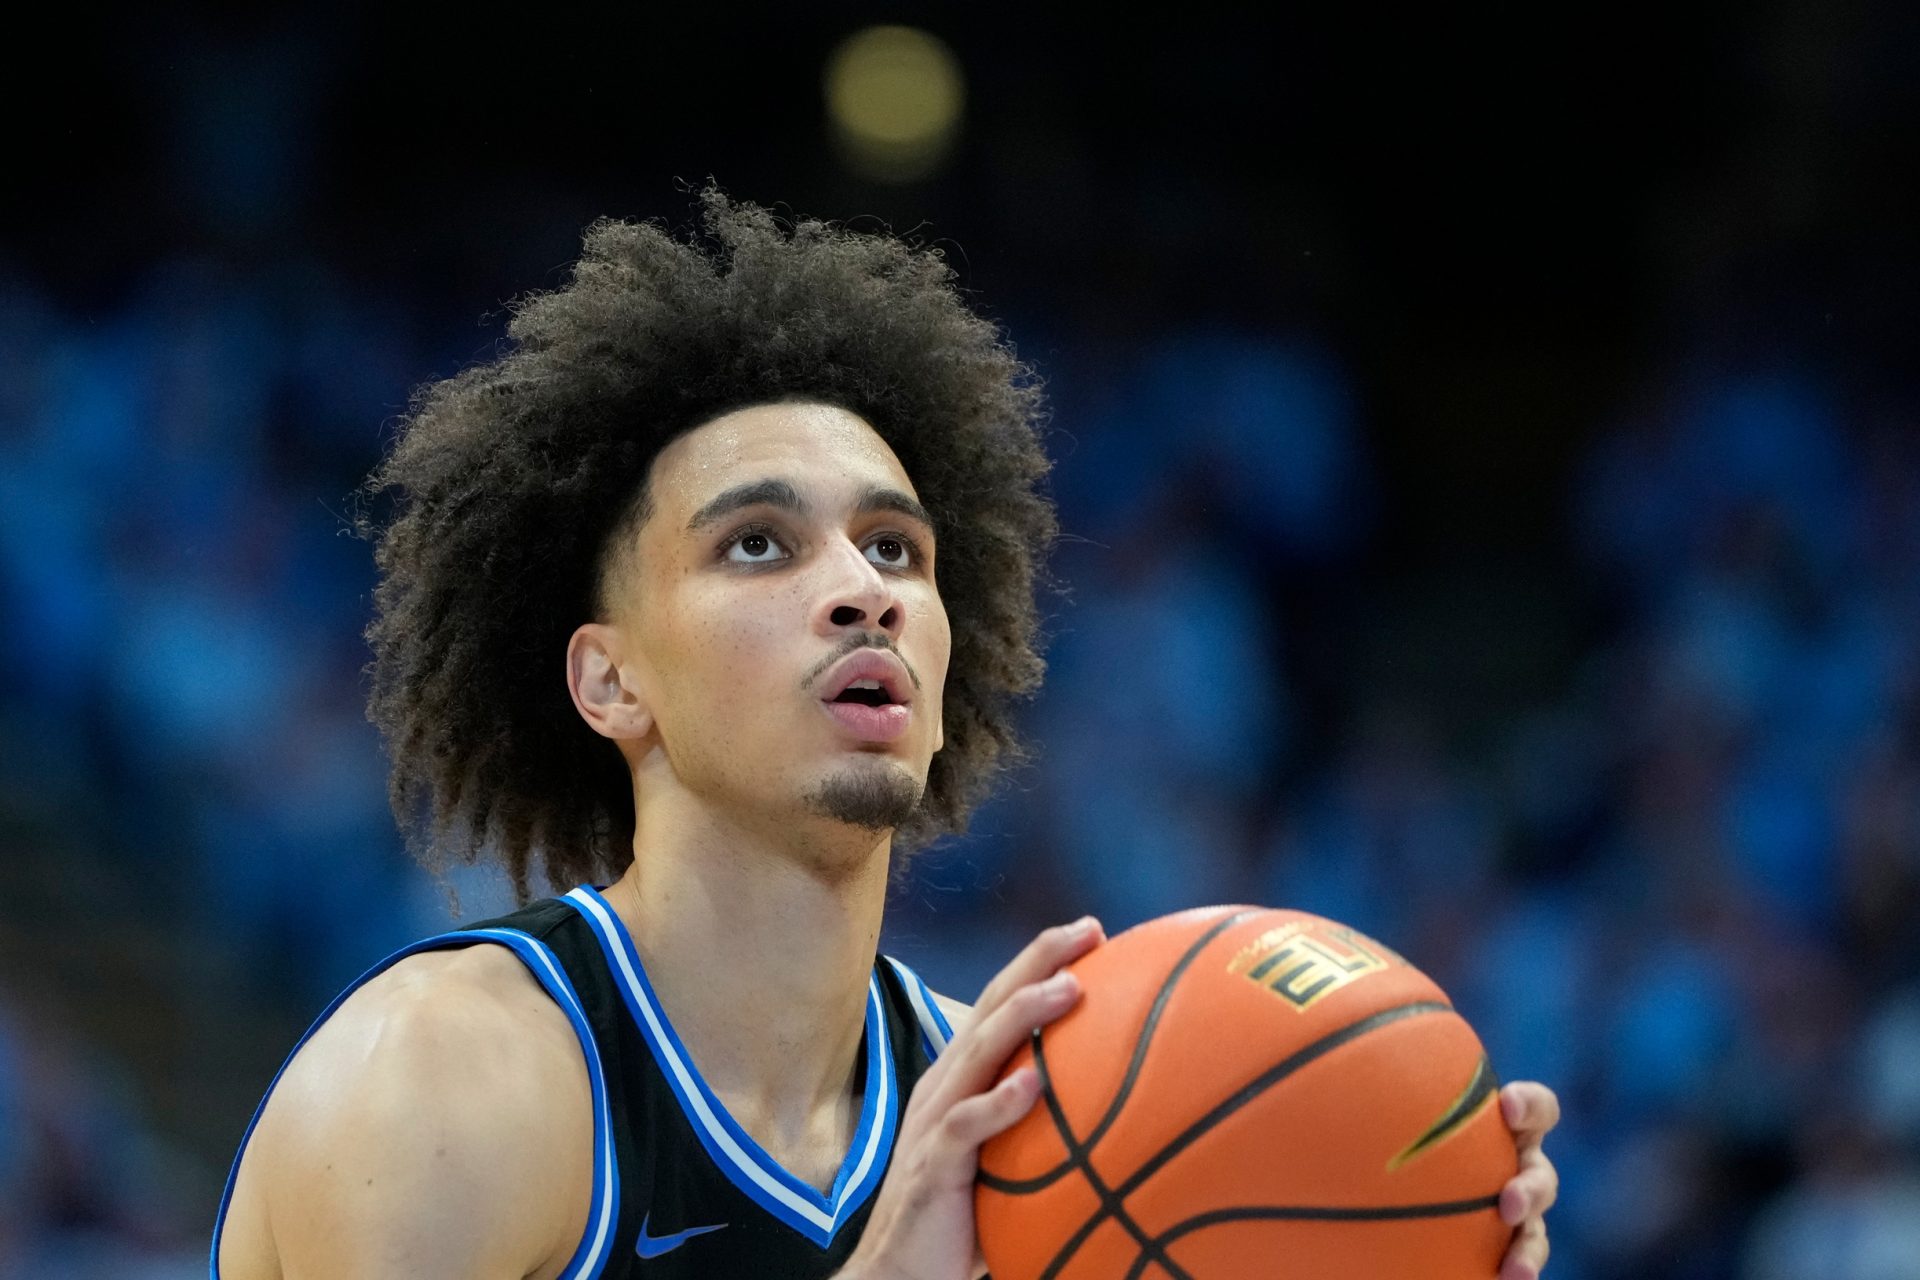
1305,962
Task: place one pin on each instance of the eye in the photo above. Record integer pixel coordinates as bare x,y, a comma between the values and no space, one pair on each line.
897,551
752,545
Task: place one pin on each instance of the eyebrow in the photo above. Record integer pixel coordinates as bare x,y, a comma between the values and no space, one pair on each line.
781,493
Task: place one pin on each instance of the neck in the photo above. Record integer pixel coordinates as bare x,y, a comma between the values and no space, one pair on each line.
759,946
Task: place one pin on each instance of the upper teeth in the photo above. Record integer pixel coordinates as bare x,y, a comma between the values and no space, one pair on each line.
864,684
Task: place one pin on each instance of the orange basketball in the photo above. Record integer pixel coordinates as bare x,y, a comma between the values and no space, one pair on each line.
1242,1093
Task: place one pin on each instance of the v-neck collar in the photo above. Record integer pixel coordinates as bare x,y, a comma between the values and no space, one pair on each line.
745,1163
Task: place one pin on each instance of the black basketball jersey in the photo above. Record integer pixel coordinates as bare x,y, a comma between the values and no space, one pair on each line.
681,1191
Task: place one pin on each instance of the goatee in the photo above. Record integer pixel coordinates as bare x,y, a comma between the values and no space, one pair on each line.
877,799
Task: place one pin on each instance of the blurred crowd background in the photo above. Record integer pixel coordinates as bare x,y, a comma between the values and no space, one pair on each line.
1489,453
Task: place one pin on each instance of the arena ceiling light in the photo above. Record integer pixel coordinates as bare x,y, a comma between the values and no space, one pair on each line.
894,100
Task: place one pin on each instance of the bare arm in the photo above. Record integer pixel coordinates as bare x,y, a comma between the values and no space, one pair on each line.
439,1125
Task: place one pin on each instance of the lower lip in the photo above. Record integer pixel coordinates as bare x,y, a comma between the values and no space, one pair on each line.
871,724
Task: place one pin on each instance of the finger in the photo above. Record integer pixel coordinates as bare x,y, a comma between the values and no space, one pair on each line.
1532,1191
969,1123
990,1041
976,1056
1527,1256
1037,961
1531,1110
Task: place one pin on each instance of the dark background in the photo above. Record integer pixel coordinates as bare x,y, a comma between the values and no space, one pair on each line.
1487,445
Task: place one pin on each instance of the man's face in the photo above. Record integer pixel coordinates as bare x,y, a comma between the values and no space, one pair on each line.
785,540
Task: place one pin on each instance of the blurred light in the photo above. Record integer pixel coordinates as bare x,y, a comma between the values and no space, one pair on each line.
894,97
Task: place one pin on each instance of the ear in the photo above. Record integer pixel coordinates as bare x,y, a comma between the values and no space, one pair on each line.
607,696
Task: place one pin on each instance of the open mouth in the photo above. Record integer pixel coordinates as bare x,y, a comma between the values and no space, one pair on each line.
867,710
871,696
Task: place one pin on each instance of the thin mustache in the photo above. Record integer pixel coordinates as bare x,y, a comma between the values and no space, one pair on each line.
860,642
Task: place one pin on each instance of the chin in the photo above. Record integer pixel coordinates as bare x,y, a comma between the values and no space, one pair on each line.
878,794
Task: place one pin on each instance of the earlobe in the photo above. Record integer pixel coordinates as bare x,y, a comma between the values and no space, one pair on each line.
600,690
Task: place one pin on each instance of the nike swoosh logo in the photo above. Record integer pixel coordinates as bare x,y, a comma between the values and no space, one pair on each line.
650,1246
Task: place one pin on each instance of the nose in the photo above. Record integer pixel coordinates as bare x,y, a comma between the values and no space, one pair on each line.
858,594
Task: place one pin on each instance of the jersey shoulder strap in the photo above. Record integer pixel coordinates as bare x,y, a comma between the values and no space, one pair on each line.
538,935
935,1030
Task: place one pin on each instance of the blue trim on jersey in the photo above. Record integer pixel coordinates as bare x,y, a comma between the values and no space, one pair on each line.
734,1152
935,1032
595,1247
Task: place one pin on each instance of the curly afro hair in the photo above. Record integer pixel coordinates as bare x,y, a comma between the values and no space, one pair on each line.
512,478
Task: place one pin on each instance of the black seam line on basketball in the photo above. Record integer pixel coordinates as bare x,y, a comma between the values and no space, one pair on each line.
1274,1075
1079,1157
1260,1084
1024,1186
1464,1108
1308,1213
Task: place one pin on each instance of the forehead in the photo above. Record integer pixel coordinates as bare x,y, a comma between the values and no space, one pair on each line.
809,444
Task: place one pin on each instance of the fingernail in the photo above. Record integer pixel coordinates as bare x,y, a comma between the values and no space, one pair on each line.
1061,983
1513,1207
1085,926
1513,1109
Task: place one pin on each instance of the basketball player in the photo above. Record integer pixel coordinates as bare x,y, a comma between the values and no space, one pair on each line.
709,597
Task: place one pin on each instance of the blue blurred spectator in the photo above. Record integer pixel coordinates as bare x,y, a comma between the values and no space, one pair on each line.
1854,1214
1165,713
1263,430
14,1172
88,1191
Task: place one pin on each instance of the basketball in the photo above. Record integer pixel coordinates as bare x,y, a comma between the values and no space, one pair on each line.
1243,1092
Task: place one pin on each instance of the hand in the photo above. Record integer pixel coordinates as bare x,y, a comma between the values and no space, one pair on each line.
922,1224
1530,1110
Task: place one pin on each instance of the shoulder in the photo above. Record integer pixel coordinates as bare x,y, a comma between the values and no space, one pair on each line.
461,1018
444,1110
